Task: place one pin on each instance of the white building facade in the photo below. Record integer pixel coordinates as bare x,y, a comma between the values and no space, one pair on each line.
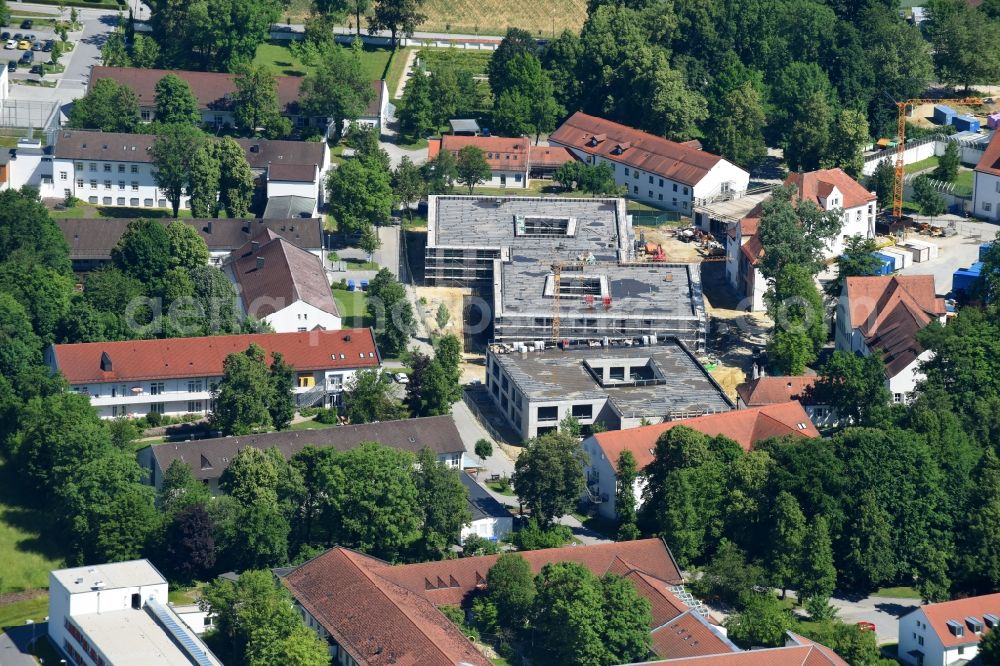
949,632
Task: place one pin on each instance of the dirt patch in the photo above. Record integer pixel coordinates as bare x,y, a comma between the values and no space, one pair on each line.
675,250
14,597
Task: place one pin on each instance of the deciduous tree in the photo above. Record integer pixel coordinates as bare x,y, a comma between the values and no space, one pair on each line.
367,398
188,249
445,503
763,622
390,308
948,163
548,476
472,167
737,132
361,195
569,614
242,396
236,178
625,500
173,153
190,544
175,103
854,385
817,575
338,90
256,104
108,107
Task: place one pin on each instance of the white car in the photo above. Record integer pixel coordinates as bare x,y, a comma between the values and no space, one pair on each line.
401,378
10,45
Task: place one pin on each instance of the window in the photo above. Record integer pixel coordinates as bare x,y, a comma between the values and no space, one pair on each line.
78,166
301,329
133,202
194,406
106,201
147,202
675,187
335,382
987,206
617,373
135,168
92,166
306,380
157,408
120,201
92,200
62,175
135,186
107,168
660,197
162,203
661,182
626,173
548,413
93,184
121,168
194,386
635,189
144,115
685,190
67,192
920,640
107,184
79,182
156,388
650,194
583,411
121,184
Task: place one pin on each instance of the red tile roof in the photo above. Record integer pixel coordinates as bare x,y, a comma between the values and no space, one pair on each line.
502,154
549,156
135,360
376,621
801,652
889,311
288,274
816,184
938,615
772,390
990,161
689,635
744,426
620,143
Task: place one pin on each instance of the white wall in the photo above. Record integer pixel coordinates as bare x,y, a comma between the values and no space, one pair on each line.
601,480
301,316
493,529
510,179
28,169
194,617
125,184
285,188
986,195
723,173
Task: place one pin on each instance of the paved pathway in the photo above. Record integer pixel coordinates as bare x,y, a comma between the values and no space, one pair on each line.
15,643
883,612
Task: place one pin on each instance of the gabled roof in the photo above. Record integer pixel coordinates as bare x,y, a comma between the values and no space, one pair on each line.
293,173
135,360
94,238
689,635
481,503
815,185
273,274
744,426
798,651
620,143
939,614
209,458
549,156
771,390
213,90
502,154
889,311
990,161
375,620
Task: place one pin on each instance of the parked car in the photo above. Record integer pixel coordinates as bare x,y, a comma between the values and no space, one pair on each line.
31,38
401,378
24,45
4,36
37,69
17,37
11,44
26,24
864,625
37,46
12,66
47,47
27,58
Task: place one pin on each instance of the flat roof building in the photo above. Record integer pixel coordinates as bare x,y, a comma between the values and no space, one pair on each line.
117,614
617,386
560,268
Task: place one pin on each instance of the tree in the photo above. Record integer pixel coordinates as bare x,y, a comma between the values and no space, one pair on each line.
190,544
443,316
849,136
948,163
175,103
390,308
360,195
236,183
21,348
445,503
417,108
440,173
808,138
369,241
180,490
28,234
396,16
188,249
242,397
737,132
729,577
560,60
375,501
408,185
173,153
204,187
980,546
795,304
484,449
516,42
143,251
788,529
794,232
5,13
215,35
989,648
817,575
108,107
626,633
858,259
854,385
569,615
930,202
472,167
256,104
281,401
215,300
762,622
510,588
548,476
339,89
625,500
870,559
367,398
960,36
882,180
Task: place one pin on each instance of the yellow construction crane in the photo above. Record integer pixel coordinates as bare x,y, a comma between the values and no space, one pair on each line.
897,186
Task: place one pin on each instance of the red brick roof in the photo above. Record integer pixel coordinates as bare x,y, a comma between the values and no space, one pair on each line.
772,390
502,154
744,426
889,311
938,615
135,360
689,635
816,184
620,143
990,161
549,156
800,652
376,621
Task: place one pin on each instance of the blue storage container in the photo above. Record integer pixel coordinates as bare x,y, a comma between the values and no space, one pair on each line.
983,249
895,262
886,264
965,277
943,115
350,285
364,285
966,123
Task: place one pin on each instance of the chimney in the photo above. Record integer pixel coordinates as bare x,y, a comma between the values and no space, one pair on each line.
254,246
210,227
260,263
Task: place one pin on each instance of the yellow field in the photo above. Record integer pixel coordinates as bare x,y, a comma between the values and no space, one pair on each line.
488,17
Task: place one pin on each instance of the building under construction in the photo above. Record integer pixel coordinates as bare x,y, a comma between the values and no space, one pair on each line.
559,269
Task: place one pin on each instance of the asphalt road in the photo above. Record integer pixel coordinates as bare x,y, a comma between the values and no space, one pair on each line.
883,612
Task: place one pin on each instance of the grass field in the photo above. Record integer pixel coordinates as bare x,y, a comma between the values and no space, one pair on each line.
283,62
897,592
475,62
26,552
929,163
963,183
353,307
485,17
14,615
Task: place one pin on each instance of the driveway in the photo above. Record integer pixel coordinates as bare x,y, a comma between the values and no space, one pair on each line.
14,644
883,612
396,153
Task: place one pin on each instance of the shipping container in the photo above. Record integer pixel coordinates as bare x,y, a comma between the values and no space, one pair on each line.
886,267
932,249
921,252
894,261
966,123
943,115
905,258
963,278
993,120
916,254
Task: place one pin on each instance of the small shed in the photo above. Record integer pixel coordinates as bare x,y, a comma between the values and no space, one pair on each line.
966,123
943,115
993,120
931,248
464,127
887,264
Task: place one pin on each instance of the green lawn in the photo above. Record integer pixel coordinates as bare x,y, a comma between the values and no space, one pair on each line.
897,592
929,163
85,210
28,545
474,62
283,62
353,307
963,183
395,69
497,488
311,425
14,615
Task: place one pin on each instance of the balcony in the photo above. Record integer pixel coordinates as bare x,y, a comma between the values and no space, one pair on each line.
144,398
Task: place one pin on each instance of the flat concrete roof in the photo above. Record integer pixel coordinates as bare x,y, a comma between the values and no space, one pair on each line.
735,209
115,575
479,222
657,289
133,637
557,375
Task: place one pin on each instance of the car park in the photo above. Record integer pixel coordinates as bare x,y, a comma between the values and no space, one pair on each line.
27,58
11,44
37,46
37,69
17,37
12,66
4,36
24,45
47,47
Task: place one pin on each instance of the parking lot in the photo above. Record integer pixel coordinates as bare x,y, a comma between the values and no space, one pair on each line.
40,33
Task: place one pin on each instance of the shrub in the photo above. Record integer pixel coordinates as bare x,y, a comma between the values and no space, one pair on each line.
154,419
327,416
484,449
533,537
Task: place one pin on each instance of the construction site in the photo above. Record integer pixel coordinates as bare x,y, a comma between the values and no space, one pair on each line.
562,269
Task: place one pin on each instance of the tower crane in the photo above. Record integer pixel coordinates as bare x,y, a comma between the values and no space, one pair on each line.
897,184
